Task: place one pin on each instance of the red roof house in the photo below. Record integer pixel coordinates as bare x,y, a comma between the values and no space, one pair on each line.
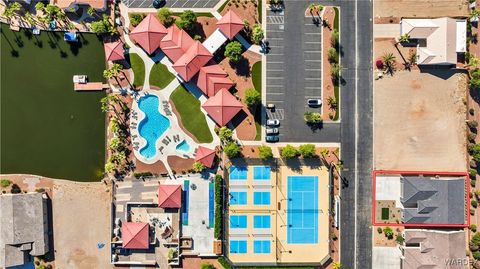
230,24
175,43
149,33
135,235
170,196
212,78
114,51
205,156
222,107
190,63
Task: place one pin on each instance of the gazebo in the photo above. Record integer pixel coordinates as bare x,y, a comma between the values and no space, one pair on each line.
222,107
170,196
114,51
135,235
205,156
230,24
190,63
148,33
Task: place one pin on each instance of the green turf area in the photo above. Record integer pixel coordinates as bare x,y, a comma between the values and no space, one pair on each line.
385,213
47,128
192,118
336,26
138,67
257,84
160,76
259,10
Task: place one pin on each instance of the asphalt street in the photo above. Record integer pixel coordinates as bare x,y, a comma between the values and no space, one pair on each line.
287,88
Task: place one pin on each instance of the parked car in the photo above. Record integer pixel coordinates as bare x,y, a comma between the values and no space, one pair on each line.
270,131
271,106
273,122
272,138
314,102
158,3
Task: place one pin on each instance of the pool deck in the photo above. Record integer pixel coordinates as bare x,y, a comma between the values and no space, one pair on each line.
280,249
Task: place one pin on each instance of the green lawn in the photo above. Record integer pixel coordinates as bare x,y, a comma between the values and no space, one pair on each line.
336,26
257,84
160,76
220,9
385,213
192,118
138,67
259,10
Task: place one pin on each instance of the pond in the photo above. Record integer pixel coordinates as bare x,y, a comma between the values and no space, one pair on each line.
47,128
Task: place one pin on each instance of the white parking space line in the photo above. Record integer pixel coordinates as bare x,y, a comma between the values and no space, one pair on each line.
275,93
276,38
174,3
206,3
272,77
312,88
312,51
313,33
184,3
313,60
313,42
275,54
275,31
274,86
313,69
274,62
274,70
142,3
313,78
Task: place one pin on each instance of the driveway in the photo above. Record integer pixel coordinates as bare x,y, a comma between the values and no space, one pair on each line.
172,3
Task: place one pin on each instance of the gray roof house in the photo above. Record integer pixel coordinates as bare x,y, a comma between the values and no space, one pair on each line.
23,228
434,249
433,201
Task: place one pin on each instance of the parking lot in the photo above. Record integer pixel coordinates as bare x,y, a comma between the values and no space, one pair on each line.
172,3
294,74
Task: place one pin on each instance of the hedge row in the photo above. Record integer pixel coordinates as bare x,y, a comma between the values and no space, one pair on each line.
218,207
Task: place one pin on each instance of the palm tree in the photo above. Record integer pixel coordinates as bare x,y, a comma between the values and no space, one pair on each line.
312,8
319,8
389,61
8,13
108,104
474,15
405,38
336,265
29,18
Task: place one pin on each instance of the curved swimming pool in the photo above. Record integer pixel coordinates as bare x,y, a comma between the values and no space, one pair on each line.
152,126
183,146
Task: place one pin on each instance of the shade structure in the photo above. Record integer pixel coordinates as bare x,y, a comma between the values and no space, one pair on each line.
230,24
175,43
135,235
222,107
149,33
114,51
204,80
205,156
190,63
170,196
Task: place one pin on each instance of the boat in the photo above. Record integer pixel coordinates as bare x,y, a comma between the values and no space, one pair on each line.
70,37
80,79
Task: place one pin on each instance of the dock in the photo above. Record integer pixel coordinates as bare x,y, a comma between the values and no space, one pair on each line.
90,86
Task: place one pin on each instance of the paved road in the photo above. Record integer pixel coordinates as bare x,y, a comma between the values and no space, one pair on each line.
172,3
355,132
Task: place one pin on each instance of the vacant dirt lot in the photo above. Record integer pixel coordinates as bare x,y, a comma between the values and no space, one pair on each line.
420,121
419,8
81,220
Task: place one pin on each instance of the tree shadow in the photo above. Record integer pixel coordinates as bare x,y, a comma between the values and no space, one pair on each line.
242,67
13,51
315,126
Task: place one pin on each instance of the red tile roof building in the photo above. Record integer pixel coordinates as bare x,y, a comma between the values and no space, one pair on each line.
114,51
230,24
175,43
135,235
170,196
222,107
205,156
149,33
212,79
190,63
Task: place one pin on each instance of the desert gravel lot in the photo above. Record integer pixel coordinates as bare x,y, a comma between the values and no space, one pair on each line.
419,121
81,219
423,8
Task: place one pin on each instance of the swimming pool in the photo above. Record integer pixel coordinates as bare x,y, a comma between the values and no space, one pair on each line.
302,210
152,126
183,146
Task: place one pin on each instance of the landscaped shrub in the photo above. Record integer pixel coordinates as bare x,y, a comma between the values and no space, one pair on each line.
257,34
307,150
165,16
472,124
225,263
332,55
476,255
334,38
400,239
379,230
136,18
225,134
252,98
473,228
5,183
471,111
198,167
142,174
312,117
379,64
472,182
15,189
471,137
388,232
233,51
473,173
218,213
265,152
206,265
476,152
475,79
232,149
289,152
187,21
474,203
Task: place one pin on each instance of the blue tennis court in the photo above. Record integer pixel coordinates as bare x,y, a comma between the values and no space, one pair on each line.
302,210
238,221
238,198
238,173
261,173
